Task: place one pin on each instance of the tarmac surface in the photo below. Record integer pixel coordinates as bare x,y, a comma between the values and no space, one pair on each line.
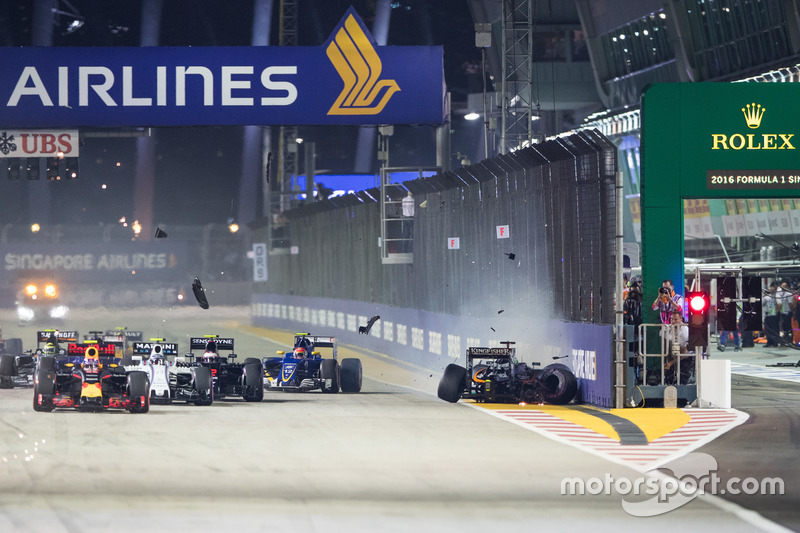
392,458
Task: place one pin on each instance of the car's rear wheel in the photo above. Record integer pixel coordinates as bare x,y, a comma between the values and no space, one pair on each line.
452,383
201,383
558,384
45,384
329,370
351,375
139,392
14,346
253,380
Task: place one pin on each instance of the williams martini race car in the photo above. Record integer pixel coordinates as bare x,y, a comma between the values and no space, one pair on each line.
228,377
88,377
171,379
305,369
19,370
494,375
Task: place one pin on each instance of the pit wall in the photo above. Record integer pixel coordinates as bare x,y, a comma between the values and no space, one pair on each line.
431,341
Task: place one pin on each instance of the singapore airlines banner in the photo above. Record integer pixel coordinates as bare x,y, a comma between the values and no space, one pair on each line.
349,80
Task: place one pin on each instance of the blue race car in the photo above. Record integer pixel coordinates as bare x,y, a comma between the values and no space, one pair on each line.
304,368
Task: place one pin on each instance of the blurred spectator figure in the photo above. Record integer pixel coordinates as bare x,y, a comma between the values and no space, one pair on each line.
784,296
633,305
408,205
667,301
795,307
408,220
771,308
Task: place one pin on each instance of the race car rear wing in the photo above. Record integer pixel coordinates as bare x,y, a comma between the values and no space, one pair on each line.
146,348
61,336
199,343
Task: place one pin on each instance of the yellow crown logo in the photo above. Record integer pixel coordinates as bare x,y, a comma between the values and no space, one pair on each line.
753,114
359,66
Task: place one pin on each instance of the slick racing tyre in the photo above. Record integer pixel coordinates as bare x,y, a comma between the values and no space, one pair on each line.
329,370
201,382
7,367
558,384
14,346
139,392
350,373
45,384
253,380
452,383
47,363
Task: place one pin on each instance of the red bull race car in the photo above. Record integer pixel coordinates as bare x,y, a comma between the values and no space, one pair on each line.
304,368
89,377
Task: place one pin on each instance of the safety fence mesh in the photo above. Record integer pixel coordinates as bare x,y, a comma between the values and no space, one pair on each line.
535,233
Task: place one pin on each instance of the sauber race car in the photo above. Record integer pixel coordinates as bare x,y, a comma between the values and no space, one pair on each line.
305,369
228,377
494,375
19,369
171,379
88,377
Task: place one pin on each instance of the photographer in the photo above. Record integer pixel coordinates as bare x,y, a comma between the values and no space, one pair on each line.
667,301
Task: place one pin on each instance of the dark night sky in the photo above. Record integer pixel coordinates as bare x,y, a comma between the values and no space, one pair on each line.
198,168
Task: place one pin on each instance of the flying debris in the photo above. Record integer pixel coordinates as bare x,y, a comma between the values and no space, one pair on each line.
365,329
199,293
511,256
500,311
491,328
160,233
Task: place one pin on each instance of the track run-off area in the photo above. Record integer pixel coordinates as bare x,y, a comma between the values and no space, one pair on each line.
391,458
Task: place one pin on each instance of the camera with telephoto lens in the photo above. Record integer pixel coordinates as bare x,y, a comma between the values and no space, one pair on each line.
663,290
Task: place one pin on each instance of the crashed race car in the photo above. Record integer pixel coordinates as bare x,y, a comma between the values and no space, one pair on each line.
171,379
494,375
228,377
304,368
18,368
89,377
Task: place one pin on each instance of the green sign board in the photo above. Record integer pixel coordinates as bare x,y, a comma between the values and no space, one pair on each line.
710,140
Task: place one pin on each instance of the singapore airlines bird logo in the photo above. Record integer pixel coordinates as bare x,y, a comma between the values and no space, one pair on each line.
359,66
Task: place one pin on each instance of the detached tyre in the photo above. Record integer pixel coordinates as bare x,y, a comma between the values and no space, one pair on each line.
253,380
45,385
7,367
558,384
201,383
351,375
139,392
329,370
452,383
14,346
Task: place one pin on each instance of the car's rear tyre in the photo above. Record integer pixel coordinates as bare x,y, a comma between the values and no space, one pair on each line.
253,380
201,382
139,392
7,367
329,370
45,384
14,346
47,363
558,384
452,383
351,375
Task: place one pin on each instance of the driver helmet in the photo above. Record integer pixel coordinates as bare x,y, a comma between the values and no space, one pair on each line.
300,352
50,349
156,356
211,352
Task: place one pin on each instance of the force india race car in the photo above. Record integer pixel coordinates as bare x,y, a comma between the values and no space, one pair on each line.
494,375
89,378
228,377
171,380
19,369
304,369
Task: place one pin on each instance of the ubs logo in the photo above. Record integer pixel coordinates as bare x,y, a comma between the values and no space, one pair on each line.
353,55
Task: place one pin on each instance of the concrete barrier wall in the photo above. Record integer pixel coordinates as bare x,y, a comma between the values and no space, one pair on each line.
431,341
